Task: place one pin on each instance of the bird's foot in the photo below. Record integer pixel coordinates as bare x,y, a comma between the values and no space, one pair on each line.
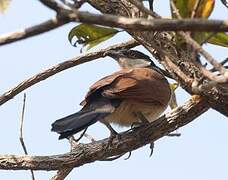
136,125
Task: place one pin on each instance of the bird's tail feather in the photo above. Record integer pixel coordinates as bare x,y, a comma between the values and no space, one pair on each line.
76,122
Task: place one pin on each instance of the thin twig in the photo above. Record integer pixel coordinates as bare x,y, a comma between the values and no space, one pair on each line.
223,78
21,126
21,133
195,8
175,10
54,5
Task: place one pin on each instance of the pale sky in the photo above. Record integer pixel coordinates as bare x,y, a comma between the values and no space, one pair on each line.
200,152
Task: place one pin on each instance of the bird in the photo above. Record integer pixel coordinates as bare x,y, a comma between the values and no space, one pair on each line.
137,93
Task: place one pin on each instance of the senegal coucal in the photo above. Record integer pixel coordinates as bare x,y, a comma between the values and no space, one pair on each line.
134,94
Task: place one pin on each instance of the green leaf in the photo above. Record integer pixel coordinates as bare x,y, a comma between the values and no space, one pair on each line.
90,35
220,39
4,4
173,100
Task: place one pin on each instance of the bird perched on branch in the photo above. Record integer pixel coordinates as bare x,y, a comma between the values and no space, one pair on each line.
137,93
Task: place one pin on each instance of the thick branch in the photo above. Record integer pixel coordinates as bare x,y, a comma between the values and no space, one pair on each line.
143,24
87,153
61,67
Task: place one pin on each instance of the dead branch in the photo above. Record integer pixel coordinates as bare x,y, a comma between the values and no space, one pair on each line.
88,153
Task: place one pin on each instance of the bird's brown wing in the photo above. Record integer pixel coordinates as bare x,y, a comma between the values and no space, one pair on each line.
142,85
97,87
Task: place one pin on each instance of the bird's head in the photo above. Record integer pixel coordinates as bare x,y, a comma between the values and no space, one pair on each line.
131,58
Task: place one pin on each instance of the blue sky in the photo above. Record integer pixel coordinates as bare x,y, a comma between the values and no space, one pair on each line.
200,153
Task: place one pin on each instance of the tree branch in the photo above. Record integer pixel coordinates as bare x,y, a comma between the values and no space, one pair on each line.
54,5
33,30
88,153
63,172
61,67
142,24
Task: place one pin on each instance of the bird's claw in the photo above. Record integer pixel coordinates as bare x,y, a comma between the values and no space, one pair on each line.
151,148
129,155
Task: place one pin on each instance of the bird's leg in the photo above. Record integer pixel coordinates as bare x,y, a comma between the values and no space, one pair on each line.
145,121
142,118
81,136
113,133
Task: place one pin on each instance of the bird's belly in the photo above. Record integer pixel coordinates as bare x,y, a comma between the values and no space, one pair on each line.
125,114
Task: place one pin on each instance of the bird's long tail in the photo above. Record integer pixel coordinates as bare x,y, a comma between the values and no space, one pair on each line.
76,122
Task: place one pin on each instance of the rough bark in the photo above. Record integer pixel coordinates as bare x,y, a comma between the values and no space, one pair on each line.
87,153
